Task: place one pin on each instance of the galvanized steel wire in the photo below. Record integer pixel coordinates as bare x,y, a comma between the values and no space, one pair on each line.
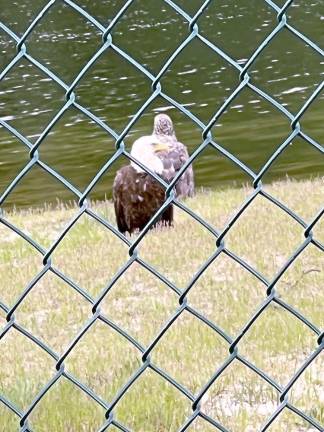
271,297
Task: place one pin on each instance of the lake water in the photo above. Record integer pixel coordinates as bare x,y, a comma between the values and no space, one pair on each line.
199,79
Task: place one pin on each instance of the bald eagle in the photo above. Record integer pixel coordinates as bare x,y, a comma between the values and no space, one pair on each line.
137,195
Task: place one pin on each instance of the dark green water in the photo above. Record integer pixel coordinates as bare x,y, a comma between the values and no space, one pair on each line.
114,90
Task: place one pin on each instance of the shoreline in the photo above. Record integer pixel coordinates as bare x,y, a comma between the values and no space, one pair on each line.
57,204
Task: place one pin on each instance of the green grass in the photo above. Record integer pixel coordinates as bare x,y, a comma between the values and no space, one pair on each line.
190,351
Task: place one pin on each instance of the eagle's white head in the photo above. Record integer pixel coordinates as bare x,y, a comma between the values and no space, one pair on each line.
145,150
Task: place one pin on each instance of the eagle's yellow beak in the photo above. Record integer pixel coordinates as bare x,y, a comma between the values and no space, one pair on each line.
160,147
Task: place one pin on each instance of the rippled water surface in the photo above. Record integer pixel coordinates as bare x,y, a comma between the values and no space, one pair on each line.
114,90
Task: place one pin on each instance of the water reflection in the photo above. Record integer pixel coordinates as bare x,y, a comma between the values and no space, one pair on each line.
114,90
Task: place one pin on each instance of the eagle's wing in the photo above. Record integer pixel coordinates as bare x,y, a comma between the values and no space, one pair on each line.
173,160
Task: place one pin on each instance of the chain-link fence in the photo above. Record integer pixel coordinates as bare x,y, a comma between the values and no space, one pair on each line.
111,420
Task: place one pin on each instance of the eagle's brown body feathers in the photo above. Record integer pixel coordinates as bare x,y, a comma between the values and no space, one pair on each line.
137,197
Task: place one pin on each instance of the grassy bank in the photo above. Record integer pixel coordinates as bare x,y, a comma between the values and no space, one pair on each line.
190,351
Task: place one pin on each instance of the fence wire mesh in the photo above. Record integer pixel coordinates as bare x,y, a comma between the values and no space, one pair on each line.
271,297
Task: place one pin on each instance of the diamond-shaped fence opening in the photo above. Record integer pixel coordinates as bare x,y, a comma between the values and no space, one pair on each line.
233,35
216,329
221,401
145,21
44,321
47,41
39,97
126,303
217,76
300,85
